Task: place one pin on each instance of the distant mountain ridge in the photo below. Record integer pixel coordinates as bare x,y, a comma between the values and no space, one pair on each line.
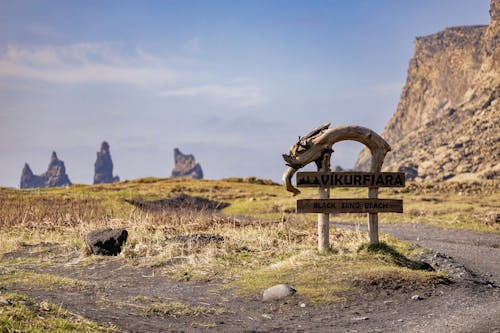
447,124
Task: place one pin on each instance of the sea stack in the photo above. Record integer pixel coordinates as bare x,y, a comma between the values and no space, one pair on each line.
104,166
55,176
186,166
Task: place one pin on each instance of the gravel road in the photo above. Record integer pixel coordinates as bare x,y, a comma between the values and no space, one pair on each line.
472,259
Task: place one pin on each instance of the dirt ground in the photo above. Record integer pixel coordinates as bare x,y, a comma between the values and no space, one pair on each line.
128,297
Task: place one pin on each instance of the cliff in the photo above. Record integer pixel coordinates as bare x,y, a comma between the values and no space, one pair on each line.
447,122
55,176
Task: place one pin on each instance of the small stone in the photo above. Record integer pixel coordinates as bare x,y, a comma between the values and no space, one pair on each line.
400,320
425,266
4,301
266,316
416,297
360,318
388,302
302,305
277,292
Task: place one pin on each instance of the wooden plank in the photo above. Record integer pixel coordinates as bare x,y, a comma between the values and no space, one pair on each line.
349,206
350,179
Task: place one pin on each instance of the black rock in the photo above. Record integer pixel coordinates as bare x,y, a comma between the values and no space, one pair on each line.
181,201
106,242
186,166
55,176
104,166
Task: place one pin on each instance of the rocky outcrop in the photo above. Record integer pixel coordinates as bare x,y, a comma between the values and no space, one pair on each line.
104,166
186,166
106,242
446,124
55,176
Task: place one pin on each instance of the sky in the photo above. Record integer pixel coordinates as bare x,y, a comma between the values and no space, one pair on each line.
232,82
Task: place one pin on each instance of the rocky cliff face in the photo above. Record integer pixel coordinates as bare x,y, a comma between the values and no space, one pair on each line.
447,122
55,176
186,166
104,166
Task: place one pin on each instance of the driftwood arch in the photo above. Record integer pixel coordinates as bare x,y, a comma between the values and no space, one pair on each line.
315,145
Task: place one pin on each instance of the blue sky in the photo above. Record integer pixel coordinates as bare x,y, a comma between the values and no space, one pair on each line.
232,82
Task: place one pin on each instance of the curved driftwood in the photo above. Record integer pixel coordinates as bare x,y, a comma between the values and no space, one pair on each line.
320,141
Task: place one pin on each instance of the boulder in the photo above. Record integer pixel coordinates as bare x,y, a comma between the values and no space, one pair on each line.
278,291
55,176
106,242
186,166
103,166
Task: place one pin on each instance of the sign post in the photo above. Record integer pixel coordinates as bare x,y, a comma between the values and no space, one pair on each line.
323,206
316,146
324,217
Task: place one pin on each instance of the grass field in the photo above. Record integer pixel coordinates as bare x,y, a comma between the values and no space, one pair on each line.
262,241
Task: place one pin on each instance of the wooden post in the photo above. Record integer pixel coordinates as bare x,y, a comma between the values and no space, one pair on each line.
324,218
373,218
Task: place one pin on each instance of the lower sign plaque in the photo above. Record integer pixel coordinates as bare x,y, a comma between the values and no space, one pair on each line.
349,206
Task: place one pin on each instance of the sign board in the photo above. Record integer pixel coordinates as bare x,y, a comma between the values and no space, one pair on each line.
350,179
349,206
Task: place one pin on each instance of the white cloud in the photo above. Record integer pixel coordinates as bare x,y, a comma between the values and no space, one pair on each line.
83,63
111,63
241,96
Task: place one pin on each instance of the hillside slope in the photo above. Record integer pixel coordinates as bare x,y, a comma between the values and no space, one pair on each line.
447,124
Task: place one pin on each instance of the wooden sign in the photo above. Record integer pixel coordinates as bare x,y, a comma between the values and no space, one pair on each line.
316,146
349,206
350,179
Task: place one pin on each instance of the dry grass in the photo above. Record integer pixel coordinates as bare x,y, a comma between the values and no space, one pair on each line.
25,315
259,241
28,279
152,307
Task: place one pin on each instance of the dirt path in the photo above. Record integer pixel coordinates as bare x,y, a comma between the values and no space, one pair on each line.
137,299
472,259
478,252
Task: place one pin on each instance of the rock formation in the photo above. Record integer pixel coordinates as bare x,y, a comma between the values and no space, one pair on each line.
55,176
447,122
106,242
185,166
104,166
